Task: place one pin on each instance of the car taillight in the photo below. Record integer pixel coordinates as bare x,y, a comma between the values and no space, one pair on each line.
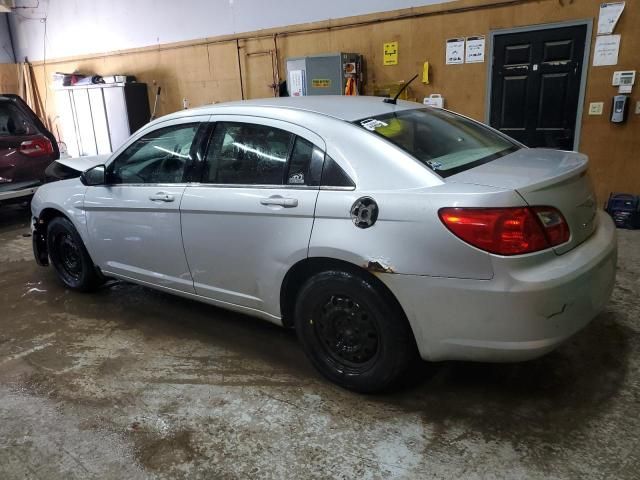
507,231
36,147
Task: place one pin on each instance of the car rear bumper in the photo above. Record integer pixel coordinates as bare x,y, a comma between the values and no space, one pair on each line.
16,190
6,195
528,308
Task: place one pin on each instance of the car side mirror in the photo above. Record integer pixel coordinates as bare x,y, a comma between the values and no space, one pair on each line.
94,176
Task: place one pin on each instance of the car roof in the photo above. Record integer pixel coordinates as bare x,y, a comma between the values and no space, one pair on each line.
340,107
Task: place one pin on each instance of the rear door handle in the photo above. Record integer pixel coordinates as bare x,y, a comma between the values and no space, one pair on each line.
162,197
280,201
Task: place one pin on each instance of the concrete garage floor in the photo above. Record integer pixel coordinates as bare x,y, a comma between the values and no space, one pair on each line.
132,383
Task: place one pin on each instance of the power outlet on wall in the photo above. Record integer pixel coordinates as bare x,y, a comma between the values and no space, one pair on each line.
595,108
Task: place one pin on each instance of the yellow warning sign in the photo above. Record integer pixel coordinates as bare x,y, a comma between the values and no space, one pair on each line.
391,53
321,83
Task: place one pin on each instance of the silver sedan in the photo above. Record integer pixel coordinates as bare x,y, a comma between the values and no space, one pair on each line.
381,232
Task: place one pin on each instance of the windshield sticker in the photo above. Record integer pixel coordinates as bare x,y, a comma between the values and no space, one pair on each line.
434,165
371,124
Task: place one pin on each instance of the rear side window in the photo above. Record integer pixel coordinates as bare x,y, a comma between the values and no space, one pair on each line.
248,154
445,142
13,122
334,176
305,164
252,154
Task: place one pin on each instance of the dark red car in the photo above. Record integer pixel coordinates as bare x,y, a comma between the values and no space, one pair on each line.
27,148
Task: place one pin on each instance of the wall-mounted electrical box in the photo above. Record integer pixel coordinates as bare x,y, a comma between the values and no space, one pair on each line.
619,109
627,77
325,74
624,80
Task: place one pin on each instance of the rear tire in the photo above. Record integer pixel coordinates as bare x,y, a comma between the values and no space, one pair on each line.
70,258
353,332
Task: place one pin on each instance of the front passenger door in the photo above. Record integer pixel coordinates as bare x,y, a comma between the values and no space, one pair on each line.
251,217
134,220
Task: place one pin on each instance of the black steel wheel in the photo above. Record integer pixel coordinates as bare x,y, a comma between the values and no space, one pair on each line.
69,256
353,332
347,331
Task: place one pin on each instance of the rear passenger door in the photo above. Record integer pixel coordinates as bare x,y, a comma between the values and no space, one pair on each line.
250,217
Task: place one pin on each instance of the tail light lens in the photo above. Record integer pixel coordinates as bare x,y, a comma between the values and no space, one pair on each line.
36,147
555,226
507,231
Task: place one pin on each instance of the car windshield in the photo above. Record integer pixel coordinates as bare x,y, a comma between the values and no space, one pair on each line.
443,141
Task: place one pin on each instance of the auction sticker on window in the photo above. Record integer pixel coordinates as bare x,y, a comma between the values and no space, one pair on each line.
371,124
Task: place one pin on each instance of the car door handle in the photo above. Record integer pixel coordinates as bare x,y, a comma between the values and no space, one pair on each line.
162,197
280,201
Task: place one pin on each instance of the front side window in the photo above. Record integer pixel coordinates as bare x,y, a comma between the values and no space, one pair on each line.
158,157
247,154
445,142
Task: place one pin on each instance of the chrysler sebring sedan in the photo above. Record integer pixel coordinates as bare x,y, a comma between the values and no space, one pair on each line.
381,232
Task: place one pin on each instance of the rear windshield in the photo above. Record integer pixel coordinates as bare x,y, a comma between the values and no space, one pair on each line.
13,122
445,142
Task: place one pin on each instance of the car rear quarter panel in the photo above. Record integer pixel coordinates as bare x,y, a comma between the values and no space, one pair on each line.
408,237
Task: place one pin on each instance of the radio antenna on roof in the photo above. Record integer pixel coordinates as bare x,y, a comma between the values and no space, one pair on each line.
394,100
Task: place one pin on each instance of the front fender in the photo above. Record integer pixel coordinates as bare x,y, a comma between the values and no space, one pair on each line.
65,197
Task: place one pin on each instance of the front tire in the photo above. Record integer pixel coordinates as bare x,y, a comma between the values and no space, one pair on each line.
353,332
70,258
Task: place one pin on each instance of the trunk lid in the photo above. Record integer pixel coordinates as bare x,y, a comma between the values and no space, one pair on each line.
544,177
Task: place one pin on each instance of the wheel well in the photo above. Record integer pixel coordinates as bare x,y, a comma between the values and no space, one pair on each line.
40,234
49,214
305,269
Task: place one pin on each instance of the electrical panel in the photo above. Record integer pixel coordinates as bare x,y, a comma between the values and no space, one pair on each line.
325,74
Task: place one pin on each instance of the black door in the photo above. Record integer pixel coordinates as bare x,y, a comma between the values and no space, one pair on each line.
535,85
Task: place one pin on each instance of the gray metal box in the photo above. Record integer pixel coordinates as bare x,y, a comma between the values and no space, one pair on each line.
325,74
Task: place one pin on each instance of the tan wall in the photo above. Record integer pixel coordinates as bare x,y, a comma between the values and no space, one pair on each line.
8,78
207,71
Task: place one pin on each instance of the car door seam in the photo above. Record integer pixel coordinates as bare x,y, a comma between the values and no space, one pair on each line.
184,250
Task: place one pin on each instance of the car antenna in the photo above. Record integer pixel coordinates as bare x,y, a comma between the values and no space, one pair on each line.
394,100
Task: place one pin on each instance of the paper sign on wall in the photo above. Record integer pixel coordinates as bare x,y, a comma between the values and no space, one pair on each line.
606,50
609,16
455,51
391,53
296,83
474,52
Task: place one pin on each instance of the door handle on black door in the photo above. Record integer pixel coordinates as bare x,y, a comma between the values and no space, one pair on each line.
162,197
277,200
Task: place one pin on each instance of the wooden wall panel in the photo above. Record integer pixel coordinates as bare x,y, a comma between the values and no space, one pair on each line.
8,78
207,71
